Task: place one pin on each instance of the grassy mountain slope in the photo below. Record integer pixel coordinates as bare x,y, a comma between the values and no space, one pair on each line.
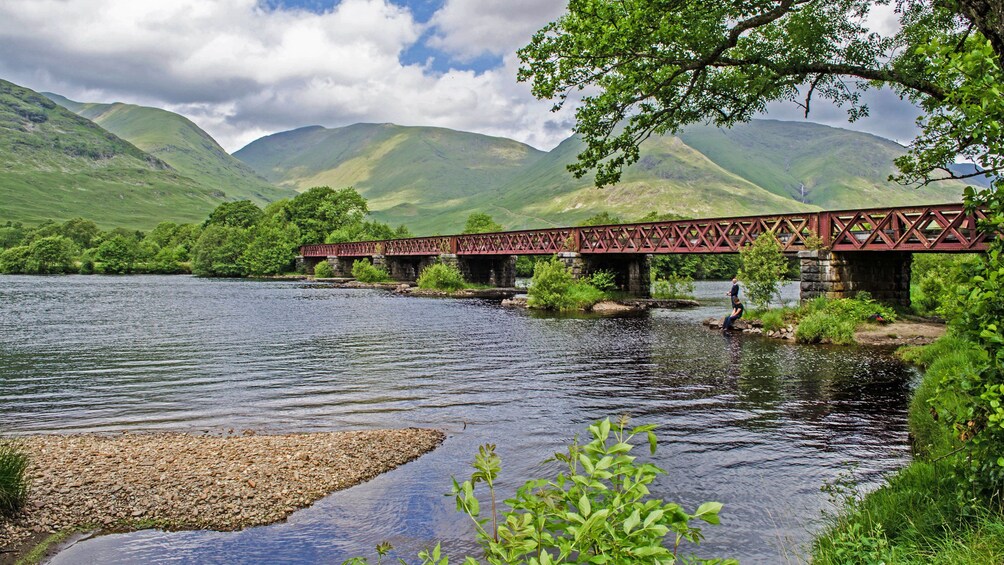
56,164
831,167
408,169
183,145
431,178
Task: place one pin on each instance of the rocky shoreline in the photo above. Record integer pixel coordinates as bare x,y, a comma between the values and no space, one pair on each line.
132,481
890,335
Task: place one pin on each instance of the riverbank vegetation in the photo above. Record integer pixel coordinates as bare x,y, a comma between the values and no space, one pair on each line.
596,509
237,239
365,271
554,288
13,476
441,276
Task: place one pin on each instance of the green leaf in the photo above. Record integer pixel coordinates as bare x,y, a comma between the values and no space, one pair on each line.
632,521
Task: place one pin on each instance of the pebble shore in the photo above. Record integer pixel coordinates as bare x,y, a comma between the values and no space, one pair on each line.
180,481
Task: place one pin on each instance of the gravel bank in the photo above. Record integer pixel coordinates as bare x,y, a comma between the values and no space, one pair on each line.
180,481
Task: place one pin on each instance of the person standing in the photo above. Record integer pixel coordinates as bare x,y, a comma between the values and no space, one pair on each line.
734,293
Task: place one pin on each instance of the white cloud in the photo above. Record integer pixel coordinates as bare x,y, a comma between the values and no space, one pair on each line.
241,71
470,28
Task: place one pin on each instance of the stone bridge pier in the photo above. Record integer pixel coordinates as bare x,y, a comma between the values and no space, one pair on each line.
631,271
408,267
883,274
492,270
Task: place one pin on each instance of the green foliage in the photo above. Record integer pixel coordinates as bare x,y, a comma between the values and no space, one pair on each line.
774,320
51,255
321,210
14,479
525,264
364,271
14,260
697,267
603,281
549,286
441,276
762,267
117,255
836,320
597,509
673,286
937,281
218,252
366,231
323,270
240,214
272,250
602,219
479,222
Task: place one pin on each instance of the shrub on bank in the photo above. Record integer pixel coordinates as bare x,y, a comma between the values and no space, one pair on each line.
323,270
441,276
554,288
13,477
364,271
673,286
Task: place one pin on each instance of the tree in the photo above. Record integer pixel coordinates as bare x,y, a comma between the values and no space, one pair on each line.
81,231
661,64
239,214
761,267
218,252
479,222
322,210
601,219
51,255
272,250
117,255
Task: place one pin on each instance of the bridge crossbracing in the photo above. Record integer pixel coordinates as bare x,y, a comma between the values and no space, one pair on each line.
944,228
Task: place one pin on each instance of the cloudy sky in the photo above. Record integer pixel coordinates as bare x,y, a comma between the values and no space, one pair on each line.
242,69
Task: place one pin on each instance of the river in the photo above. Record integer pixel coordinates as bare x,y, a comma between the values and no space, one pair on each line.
756,424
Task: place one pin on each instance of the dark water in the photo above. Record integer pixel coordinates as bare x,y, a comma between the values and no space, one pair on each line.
755,424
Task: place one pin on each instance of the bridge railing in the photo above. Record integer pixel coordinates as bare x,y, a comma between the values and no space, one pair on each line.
940,228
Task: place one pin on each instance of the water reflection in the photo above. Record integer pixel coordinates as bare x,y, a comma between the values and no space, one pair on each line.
756,424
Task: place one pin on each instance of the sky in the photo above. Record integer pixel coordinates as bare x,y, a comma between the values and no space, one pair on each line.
242,69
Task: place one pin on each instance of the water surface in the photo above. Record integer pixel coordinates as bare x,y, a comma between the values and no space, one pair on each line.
756,424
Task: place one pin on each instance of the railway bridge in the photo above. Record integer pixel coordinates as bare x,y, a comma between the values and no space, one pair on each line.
841,252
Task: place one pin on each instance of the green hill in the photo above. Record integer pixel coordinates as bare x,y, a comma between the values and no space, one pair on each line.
56,164
432,178
414,170
180,143
831,167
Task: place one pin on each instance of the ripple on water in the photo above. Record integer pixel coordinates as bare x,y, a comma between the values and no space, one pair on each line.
755,424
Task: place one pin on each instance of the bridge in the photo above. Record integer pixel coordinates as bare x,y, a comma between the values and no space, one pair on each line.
841,252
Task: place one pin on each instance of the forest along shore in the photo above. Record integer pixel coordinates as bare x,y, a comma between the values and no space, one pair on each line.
133,481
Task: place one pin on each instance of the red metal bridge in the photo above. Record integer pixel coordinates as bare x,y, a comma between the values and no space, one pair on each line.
944,228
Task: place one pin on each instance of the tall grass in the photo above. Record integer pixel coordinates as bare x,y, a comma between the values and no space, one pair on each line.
13,476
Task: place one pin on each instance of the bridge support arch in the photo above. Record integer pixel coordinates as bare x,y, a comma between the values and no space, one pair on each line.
493,270
883,274
632,272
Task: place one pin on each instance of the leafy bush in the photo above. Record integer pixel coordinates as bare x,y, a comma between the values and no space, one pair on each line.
836,320
673,286
937,281
217,252
479,222
549,285
597,509
116,255
51,255
364,271
14,480
603,280
323,270
441,276
763,266
14,260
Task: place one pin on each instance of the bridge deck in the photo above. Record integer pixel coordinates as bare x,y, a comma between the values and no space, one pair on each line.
944,228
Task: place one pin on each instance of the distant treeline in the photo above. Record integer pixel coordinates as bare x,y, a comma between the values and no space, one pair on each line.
238,239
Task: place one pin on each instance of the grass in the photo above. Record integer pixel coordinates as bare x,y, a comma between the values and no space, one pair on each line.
825,320
14,479
916,517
